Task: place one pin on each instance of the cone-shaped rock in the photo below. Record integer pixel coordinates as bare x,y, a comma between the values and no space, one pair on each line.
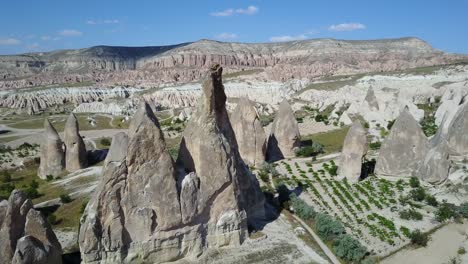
284,138
249,132
404,149
436,164
457,137
136,205
354,150
13,224
75,155
371,99
52,154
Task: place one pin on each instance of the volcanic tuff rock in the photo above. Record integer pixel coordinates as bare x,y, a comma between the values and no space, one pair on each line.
435,166
457,137
52,153
249,133
35,101
75,150
187,62
25,234
284,138
404,149
371,100
354,150
146,209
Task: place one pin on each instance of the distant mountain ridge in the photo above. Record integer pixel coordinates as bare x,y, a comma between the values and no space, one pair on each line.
185,62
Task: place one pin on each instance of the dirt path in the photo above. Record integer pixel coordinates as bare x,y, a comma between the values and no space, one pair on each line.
319,241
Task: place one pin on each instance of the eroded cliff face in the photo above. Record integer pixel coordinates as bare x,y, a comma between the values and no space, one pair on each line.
188,62
148,209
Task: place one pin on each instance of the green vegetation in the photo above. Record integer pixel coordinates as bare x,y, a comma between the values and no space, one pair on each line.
241,73
418,194
65,198
332,141
445,212
419,238
411,214
348,248
301,208
414,182
266,119
429,126
327,227
105,141
375,145
309,151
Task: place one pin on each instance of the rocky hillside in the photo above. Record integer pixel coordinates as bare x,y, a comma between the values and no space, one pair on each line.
185,62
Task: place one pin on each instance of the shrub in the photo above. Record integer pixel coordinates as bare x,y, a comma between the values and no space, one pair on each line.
414,182
405,231
302,209
49,178
411,214
5,190
461,251
348,248
52,219
419,238
390,124
34,184
375,145
65,198
83,207
327,227
463,210
309,151
32,193
445,212
418,194
366,125
6,177
432,201
105,142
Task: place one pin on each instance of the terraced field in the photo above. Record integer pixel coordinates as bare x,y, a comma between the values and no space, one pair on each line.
370,210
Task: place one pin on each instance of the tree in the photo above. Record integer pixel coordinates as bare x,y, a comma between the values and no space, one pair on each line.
418,194
327,227
463,210
348,248
65,198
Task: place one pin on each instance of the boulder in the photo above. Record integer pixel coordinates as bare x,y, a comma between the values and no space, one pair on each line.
404,149
75,154
249,133
354,150
52,153
146,209
284,138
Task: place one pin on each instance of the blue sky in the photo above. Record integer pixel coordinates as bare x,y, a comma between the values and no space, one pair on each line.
43,25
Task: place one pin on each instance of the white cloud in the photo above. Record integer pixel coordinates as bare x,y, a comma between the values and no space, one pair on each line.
288,38
32,47
70,33
346,27
105,21
226,35
9,41
250,10
45,38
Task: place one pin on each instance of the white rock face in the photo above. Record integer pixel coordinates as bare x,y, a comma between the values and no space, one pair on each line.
404,149
75,149
354,150
52,153
249,132
284,137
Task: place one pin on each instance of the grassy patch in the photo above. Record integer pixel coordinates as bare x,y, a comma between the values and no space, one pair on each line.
68,215
332,141
9,139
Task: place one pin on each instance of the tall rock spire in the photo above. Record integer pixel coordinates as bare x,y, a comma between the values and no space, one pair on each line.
354,149
75,149
52,153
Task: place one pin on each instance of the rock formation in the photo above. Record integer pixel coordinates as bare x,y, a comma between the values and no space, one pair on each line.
75,150
187,62
146,209
284,138
404,149
249,133
354,150
25,234
435,166
52,153
371,100
457,136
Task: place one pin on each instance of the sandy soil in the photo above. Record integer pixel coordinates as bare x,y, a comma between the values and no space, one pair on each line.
442,247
